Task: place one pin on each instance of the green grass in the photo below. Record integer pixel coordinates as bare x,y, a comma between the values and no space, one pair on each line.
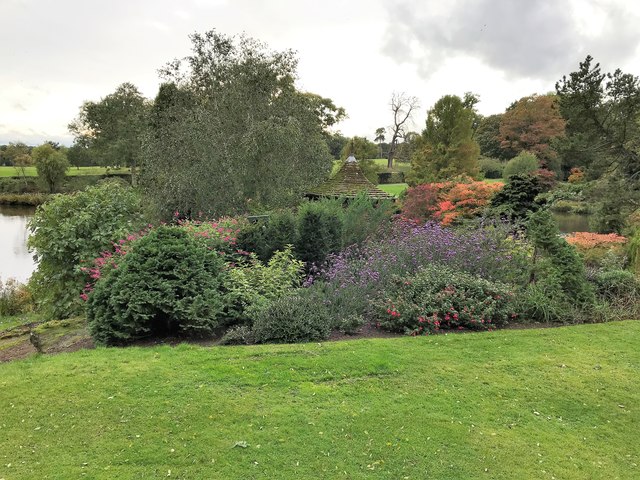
552,403
393,188
73,171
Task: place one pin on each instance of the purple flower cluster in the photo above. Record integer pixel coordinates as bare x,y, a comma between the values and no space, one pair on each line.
487,251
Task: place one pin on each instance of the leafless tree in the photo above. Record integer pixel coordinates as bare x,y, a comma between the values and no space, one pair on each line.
402,107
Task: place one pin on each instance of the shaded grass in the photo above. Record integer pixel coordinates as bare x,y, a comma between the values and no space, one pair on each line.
547,403
31,171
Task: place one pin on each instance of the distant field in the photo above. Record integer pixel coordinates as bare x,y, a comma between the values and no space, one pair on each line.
31,171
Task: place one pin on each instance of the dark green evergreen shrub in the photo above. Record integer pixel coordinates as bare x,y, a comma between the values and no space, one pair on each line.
565,262
517,198
267,236
390,177
319,230
291,319
167,284
280,232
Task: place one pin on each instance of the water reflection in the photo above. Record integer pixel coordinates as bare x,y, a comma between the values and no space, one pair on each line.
15,259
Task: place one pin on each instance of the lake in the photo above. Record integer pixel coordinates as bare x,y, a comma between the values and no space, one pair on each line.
572,222
15,260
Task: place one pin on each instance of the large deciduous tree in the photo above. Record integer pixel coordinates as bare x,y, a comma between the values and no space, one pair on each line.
488,137
447,145
531,124
402,108
230,132
111,129
602,112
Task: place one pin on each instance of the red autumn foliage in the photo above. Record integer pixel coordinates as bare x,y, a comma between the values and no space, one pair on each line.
448,202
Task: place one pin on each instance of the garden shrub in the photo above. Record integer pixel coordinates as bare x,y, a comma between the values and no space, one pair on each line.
291,319
168,283
15,298
539,302
252,283
491,167
440,298
68,232
363,217
362,273
238,335
448,202
617,285
517,198
524,163
319,230
598,250
564,259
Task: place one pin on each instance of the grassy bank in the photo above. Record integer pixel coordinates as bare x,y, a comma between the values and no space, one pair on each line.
549,403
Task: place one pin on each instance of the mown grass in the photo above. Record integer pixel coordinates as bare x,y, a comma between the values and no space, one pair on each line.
549,403
31,171
393,188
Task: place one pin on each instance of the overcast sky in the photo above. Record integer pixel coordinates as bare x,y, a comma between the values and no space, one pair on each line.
56,54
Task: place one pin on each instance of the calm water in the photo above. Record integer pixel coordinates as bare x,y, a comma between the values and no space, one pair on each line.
15,260
572,222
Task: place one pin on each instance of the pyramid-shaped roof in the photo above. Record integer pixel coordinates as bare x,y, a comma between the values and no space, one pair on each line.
348,182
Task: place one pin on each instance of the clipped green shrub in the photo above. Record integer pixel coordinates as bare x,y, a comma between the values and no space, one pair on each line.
265,236
292,319
440,298
167,284
524,163
319,230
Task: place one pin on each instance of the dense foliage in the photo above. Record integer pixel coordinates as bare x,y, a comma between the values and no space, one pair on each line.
447,145
51,165
68,232
438,297
168,283
448,202
291,319
230,131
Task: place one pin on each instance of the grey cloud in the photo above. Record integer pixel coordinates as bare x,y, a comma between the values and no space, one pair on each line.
534,39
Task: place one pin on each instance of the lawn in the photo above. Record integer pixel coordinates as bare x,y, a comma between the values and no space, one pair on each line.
393,188
73,171
515,404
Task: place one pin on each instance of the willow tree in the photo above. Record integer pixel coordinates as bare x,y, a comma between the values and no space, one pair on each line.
230,132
